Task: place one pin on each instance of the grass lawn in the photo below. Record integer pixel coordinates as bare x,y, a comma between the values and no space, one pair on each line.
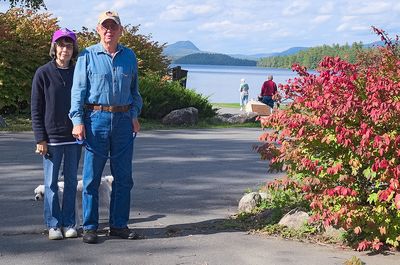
22,122
226,105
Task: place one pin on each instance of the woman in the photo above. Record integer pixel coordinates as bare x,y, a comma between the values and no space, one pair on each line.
50,103
244,93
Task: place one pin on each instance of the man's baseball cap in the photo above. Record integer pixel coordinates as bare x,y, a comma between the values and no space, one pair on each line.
109,15
64,32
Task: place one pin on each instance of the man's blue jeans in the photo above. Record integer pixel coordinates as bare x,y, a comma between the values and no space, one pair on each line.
108,134
54,215
268,101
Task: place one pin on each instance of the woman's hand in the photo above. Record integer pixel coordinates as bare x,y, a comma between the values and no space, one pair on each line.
41,148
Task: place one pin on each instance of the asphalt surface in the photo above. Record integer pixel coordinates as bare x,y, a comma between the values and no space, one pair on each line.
187,182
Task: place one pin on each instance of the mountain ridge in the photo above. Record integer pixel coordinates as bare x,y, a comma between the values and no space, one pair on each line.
180,49
181,52
183,48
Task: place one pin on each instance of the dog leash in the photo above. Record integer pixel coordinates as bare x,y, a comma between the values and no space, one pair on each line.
92,150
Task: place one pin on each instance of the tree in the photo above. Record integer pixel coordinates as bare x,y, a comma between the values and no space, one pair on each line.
25,42
33,4
148,52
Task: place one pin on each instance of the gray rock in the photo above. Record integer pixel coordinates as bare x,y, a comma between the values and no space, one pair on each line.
266,196
294,219
188,116
3,123
334,233
249,201
237,118
263,216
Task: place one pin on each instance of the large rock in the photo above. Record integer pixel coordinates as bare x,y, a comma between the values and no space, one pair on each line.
237,118
294,219
334,234
188,116
249,202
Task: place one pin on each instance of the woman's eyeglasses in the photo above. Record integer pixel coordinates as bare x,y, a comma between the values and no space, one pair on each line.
69,46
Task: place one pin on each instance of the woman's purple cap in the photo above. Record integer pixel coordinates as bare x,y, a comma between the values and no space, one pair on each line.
63,33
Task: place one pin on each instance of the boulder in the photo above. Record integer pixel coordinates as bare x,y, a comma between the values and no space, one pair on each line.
188,116
294,219
266,196
237,118
334,234
248,202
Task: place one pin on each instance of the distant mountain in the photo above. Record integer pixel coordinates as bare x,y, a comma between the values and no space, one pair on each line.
258,56
213,59
183,48
374,44
291,51
180,49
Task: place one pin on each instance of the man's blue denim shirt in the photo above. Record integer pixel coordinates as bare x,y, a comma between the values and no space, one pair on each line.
105,80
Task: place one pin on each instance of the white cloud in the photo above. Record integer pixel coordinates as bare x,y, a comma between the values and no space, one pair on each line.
360,28
228,28
295,7
327,8
348,18
368,8
240,26
120,4
352,27
321,18
182,11
343,27
117,5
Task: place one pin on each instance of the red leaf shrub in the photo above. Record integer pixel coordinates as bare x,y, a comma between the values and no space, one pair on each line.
342,129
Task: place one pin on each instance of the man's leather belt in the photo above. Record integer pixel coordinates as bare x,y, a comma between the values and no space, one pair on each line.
125,108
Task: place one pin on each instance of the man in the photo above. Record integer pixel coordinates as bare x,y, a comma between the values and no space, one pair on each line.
268,90
105,104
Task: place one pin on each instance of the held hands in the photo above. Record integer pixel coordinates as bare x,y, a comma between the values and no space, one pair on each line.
78,132
135,125
41,148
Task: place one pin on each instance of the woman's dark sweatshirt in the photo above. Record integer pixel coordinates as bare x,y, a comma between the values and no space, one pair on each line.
50,104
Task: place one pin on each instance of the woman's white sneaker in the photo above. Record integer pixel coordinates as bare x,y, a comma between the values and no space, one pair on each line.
55,234
70,232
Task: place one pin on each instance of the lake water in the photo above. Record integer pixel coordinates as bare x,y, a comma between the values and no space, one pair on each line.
221,83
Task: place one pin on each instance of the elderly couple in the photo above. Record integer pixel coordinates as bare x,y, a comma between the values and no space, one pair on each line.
96,101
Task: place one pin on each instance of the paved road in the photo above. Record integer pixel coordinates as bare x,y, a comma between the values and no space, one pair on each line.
186,183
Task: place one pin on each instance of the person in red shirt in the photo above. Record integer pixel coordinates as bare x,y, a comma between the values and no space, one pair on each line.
268,90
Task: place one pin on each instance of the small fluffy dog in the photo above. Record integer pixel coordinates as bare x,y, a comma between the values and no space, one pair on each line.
104,195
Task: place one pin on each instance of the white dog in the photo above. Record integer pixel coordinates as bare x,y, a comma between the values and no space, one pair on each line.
104,195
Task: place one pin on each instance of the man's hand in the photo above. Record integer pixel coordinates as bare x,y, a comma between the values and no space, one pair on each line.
135,125
41,148
78,132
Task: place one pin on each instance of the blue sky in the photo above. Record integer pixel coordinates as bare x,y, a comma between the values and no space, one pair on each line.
237,26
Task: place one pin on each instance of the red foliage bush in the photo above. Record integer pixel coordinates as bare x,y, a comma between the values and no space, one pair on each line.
339,140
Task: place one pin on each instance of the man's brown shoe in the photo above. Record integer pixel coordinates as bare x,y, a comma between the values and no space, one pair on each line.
124,233
90,236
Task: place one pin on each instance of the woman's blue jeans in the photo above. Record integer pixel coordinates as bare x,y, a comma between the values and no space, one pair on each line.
54,215
108,134
243,100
